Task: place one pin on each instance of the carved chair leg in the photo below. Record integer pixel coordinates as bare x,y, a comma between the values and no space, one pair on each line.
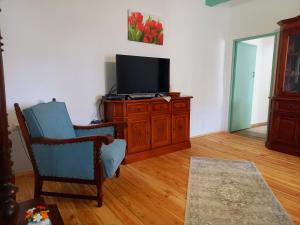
38,185
99,194
118,172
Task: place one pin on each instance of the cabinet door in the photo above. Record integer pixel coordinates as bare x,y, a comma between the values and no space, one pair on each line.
138,135
180,127
161,130
286,129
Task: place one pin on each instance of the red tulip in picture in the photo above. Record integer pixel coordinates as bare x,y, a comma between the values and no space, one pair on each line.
144,28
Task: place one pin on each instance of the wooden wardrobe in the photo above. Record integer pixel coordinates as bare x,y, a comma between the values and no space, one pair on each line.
284,123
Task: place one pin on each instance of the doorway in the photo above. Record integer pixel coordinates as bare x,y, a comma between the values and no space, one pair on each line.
251,86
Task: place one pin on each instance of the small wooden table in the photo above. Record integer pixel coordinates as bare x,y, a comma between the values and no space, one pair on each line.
54,214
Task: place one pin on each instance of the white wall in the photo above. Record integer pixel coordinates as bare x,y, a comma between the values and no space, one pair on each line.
262,80
65,49
251,18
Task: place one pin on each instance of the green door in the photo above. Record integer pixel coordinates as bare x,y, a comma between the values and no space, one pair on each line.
242,88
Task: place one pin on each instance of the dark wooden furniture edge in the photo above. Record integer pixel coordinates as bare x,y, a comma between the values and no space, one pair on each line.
55,214
287,149
289,23
8,206
284,99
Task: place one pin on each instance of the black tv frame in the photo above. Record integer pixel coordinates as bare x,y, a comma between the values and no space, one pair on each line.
142,93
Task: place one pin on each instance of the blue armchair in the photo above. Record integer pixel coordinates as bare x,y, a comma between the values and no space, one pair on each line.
62,152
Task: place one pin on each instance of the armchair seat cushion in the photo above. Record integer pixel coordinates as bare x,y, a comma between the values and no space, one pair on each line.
112,155
55,160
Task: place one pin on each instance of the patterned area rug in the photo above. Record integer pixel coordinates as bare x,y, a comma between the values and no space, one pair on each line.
225,192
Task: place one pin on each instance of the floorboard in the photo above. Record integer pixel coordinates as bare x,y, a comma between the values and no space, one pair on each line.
153,191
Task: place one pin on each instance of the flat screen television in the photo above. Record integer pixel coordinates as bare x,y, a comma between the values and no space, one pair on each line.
139,75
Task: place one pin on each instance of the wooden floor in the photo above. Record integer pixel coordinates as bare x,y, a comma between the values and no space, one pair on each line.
255,132
153,191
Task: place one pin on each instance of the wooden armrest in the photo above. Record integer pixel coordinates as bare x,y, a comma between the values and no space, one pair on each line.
101,125
106,139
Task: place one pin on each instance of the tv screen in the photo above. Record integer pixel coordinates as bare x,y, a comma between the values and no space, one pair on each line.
136,74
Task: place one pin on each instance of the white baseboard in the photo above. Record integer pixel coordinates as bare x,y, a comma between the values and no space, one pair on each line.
210,133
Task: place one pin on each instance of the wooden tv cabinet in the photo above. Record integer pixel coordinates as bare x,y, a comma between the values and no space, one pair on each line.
155,126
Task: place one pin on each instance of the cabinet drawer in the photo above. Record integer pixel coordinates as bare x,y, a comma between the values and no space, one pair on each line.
290,106
137,108
160,107
181,105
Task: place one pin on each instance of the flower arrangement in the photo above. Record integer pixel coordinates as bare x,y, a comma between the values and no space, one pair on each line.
148,31
38,216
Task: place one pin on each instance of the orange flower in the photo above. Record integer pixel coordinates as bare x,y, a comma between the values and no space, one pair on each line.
44,215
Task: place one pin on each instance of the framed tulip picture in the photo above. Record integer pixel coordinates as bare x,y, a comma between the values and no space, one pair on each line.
145,28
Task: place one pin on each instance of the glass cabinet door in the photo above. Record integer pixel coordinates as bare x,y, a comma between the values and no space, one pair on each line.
292,71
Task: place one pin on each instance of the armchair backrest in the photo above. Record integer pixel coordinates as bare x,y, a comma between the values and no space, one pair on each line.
50,120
